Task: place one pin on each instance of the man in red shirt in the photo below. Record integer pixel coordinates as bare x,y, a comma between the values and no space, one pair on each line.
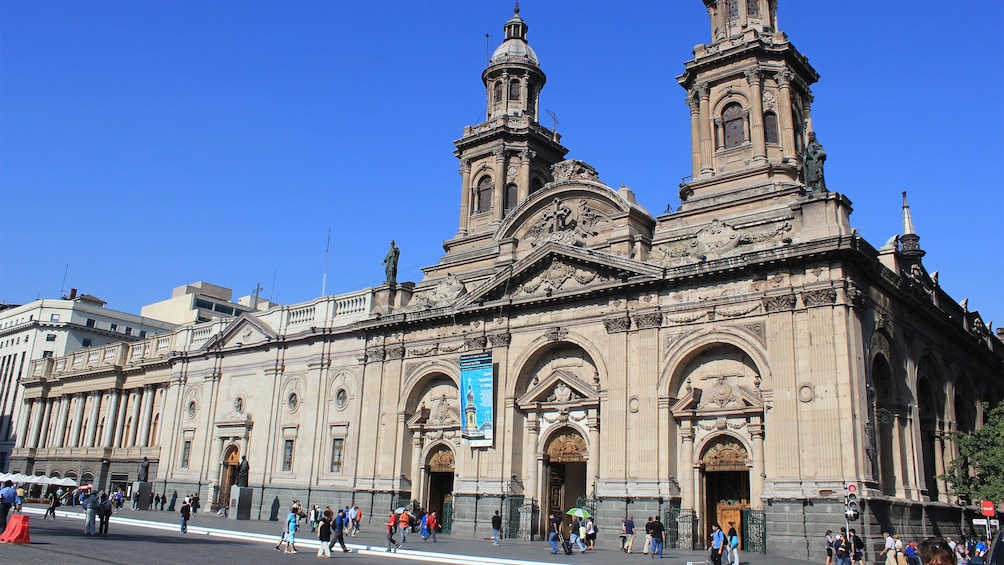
392,544
432,523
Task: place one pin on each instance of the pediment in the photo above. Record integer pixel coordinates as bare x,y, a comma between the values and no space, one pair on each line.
245,331
719,396
441,415
557,269
559,389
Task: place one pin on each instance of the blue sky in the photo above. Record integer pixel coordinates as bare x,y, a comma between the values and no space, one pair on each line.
152,144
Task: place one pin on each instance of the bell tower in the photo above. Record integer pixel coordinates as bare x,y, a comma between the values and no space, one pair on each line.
749,98
509,156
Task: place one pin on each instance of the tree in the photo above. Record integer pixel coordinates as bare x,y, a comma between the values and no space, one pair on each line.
978,473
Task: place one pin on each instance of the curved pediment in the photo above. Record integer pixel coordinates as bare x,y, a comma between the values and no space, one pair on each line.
579,212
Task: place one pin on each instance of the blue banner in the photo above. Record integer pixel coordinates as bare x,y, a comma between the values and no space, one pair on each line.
477,399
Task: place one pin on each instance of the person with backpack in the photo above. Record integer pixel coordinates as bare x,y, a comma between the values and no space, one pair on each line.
104,514
341,523
186,515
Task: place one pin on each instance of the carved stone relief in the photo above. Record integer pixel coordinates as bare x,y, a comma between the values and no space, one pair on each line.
557,276
566,223
568,447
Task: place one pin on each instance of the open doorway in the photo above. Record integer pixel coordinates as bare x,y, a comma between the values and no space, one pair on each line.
228,476
565,469
441,473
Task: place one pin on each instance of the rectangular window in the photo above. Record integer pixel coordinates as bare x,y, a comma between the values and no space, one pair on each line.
186,454
90,322
114,327
287,455
86,342
128,330
142,333
50,337
46,354
53,317
337,448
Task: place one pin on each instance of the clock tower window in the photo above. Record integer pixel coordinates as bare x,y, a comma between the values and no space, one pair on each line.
733,6
510,197
732,118
497,94
770,132
484,199
514,89
753,8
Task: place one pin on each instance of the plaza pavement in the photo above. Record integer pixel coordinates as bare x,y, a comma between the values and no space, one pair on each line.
153,537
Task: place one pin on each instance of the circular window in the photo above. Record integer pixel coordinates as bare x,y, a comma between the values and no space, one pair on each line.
293,401
192,408
341,398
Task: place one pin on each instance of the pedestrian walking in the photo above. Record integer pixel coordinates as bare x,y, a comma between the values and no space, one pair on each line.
717,544
291,523
629,529
828,540
323,534
90,512
341,524
53,504
496,528
658,538
423,528
314,517
433,523
648,536
575,533
104,514
553,533
392,544
842,550
733,540
404,522
186,515
590,533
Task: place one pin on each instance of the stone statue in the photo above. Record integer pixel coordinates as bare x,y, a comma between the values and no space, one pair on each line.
143,472
242,472
390,262
813,158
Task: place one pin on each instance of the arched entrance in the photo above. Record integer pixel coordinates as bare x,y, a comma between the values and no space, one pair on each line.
565,468
725,467
442,466
228,474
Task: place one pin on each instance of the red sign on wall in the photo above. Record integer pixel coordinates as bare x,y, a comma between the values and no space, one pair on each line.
988,508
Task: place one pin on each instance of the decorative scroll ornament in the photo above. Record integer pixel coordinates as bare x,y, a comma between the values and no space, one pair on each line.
557,276
820,297
562,393
562,223
649,320
500,340
619,324
374,354
555,334
441,461
395,353
446,292
779,303
567,448
721,239
727,454
476,342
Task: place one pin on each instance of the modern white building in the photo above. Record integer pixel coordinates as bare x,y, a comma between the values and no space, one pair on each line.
53,328
202,302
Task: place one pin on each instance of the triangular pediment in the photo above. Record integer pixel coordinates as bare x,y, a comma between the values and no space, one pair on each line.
442,415
559,389
720,397
555,269
245,331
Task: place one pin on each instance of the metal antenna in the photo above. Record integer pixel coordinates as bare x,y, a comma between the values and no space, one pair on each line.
488,58
62,286
554,118
327,249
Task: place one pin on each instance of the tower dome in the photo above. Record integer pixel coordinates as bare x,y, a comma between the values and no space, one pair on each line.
514,49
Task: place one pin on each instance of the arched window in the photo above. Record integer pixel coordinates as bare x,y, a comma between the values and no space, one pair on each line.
485,194
753,8
510,197
497,95
514,89
770,134
732,119
733,7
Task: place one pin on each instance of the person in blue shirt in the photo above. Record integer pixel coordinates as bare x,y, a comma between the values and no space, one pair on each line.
8,499
717,544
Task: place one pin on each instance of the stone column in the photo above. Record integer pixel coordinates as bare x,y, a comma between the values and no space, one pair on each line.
417,484
92,423
523,185
147,416
37,408
135,401
465,195
897,455
688,501
25,424
499,192
505,93
695,132
78,420
754,78
43,438
64,416
757,480
120,419
112,420
593,463
787,120
530,457
705,121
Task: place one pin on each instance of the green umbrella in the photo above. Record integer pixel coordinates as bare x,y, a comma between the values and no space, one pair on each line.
578,512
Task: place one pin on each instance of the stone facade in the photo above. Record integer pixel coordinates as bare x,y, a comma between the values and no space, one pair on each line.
749,352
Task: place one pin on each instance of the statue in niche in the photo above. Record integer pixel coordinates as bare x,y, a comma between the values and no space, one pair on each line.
242,472
143,471
813,158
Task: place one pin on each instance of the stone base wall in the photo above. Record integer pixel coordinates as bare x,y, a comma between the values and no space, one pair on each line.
472,515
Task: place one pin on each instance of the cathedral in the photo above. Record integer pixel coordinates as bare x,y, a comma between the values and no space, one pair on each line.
742,359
